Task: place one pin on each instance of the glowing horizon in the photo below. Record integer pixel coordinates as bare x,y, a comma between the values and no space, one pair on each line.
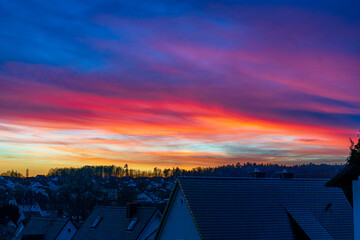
172,84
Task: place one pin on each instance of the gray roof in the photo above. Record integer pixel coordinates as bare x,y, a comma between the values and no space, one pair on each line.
48,228
251,208
114,223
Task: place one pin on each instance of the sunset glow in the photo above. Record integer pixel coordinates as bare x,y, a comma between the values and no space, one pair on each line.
177,83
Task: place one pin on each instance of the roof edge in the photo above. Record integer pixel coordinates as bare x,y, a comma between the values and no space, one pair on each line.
345,176
156,210
164,216
192,215
252,178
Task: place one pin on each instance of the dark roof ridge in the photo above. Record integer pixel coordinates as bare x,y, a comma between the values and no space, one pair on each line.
47,218
124,207
147,222
347,173
252,178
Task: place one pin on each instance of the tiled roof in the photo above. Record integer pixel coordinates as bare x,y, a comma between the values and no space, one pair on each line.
243,208
309,224
49,228
114,224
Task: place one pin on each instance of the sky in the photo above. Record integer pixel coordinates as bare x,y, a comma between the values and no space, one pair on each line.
177,83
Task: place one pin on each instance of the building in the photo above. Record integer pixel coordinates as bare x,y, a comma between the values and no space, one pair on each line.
143,198
348,180
126,223
46,229
7,229
255,208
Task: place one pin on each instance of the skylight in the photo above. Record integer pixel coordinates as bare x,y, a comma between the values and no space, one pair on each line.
132,224
96,222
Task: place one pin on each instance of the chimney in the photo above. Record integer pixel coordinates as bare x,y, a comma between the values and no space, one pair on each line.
131,209
258,174
286,174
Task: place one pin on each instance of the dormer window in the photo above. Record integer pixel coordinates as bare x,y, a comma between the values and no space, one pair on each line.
132,224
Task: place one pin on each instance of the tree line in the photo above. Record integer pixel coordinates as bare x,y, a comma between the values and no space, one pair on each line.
232,170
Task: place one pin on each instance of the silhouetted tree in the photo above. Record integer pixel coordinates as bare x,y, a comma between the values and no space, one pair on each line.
86,174
354,157
176,172
155,171
126,195
12,173
9,212
167,172
126,170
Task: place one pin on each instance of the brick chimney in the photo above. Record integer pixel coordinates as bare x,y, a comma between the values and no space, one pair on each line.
131,209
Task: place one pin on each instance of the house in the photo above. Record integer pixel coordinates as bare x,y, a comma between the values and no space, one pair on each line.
53,186
10,184
255,208
155,198
24,217
348,180
30,208
46,229
13,202
7,228
131,183
127,223
36,185
143,198
28,211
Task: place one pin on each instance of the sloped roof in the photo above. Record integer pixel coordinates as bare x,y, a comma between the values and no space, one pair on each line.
250,208
49,228
29,215
309,224
114,223
345,176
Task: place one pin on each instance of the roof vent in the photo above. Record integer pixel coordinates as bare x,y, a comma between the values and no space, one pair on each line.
96,222
258,174
286,174
131,209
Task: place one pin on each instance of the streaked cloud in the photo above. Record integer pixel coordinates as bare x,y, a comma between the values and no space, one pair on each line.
177,83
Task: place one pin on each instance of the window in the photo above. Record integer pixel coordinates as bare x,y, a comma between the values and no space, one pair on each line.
181,202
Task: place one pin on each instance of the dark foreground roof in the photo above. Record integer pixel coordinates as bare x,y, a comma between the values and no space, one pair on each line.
344,179
345,176
114,224
238,208
43,227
